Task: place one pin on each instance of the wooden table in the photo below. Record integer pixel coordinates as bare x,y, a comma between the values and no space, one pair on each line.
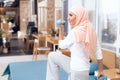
54,41
41,39
37,36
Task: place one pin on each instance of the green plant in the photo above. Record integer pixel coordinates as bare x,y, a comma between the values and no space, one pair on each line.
5,17
53,33
1,32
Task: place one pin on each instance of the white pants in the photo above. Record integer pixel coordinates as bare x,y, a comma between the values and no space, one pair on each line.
58,60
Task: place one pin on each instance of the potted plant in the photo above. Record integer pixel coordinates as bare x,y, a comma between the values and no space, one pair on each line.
1,33
1,41
53,33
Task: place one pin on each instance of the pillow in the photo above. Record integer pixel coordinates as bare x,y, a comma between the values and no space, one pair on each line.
94,67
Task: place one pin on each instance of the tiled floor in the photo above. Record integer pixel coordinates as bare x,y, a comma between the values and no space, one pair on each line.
16,47
4,61
17,53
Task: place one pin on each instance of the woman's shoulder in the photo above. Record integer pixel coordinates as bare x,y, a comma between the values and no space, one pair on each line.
71,34
72,31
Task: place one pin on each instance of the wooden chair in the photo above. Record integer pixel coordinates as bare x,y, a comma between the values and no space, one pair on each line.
29,42
36,49
5,27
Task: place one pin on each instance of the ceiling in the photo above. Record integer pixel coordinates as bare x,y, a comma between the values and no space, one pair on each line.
9,3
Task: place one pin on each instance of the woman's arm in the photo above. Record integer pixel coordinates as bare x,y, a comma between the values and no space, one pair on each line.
99,59
67,41
60,33
100,66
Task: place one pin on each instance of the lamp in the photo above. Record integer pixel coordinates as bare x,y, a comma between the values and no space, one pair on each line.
117,45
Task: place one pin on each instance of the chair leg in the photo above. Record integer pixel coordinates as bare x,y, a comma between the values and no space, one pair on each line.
28,44
35,54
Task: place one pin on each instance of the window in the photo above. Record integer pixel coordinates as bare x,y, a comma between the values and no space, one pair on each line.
108,22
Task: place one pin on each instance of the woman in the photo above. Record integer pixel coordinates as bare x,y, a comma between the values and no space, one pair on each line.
82,42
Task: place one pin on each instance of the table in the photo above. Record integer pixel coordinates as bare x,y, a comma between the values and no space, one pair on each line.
111,74
41,39
36,35
52,40
47,39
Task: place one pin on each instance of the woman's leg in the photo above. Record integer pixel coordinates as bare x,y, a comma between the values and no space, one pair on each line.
80,75
56,60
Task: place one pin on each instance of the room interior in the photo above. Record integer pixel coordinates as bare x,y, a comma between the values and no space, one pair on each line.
42,16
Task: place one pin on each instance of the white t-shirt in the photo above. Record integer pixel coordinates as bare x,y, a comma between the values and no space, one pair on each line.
11,25
79,58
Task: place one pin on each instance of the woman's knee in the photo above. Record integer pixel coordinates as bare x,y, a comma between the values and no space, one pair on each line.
51,55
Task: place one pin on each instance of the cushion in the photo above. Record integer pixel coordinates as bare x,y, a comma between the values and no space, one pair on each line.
94,67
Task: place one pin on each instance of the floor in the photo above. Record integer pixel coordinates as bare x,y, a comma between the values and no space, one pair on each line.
16,47
17,53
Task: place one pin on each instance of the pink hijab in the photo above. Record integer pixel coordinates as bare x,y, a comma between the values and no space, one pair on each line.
84,30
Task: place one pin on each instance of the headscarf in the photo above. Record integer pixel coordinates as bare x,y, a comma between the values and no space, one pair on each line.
84,30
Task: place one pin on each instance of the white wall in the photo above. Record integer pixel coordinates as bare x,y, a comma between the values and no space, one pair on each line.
58,3
42,3
88,4
72,3
58,8
41,15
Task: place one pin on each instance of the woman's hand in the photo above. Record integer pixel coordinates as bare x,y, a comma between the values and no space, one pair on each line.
100,73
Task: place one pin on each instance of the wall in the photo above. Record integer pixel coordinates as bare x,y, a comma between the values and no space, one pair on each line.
12,12
24,14
88,4
73,3
48,12
58,11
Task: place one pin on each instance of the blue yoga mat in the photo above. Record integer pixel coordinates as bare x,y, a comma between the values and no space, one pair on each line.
33,70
